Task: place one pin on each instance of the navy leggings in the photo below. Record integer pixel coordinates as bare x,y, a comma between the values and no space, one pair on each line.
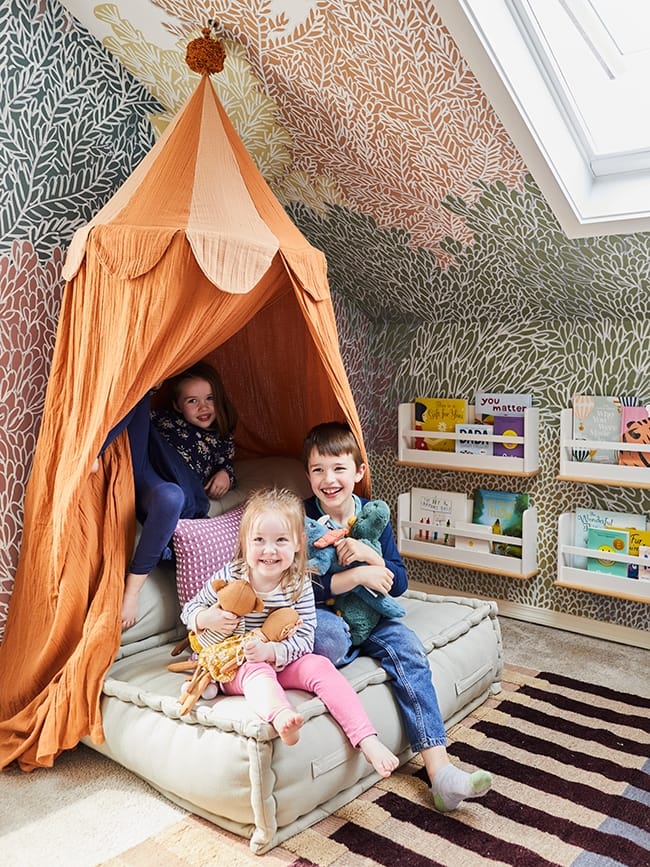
158,503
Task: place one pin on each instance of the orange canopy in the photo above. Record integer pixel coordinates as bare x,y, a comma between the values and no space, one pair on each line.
192,258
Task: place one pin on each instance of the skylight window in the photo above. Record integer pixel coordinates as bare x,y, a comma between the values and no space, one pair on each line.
597,59
576,73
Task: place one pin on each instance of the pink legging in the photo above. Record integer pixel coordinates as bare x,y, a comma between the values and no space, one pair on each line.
264,689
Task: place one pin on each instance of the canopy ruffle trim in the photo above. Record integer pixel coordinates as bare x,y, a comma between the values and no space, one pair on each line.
233,264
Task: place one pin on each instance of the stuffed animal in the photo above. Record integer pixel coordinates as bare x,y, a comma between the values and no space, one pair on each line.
361,608
237,597
218,662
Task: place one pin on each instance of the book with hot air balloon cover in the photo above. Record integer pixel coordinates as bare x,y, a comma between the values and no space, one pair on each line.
596,418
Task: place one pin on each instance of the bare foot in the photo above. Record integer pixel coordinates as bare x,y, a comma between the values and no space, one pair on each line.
129,609
131,598
287,724
379,756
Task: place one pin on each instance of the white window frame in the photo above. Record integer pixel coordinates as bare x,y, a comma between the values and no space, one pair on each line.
589,193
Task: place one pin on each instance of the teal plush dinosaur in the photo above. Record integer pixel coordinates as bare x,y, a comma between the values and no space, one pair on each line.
360,607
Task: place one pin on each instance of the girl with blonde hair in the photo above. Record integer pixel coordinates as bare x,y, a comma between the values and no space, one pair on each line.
272,558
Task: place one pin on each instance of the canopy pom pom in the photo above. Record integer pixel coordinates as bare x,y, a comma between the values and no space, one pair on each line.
206,54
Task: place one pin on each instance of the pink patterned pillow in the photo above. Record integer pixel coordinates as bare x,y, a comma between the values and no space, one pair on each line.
202,546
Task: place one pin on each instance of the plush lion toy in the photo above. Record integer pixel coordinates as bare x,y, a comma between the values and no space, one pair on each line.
218,662
360,608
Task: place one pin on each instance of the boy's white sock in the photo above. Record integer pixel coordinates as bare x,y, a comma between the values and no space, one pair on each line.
451,786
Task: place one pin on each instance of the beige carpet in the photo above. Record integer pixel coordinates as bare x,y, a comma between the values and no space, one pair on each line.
572,787
87,810
83,810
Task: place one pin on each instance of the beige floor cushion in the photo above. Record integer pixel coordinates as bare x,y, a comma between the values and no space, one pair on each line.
223,763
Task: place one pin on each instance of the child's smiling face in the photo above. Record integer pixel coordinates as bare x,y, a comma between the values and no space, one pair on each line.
270,550
195,401
332,479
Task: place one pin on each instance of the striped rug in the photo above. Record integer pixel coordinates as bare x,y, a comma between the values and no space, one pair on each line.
572,787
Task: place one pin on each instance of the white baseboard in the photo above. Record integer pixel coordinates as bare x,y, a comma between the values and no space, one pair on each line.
554,619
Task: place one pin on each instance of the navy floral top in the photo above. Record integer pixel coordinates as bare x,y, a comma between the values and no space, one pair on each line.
205,450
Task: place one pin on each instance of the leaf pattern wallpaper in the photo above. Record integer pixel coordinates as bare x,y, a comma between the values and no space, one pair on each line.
74,126
449,271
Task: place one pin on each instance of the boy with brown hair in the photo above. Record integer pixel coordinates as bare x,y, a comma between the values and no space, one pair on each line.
334,465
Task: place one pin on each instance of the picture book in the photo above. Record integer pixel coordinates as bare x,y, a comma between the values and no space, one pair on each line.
586,518
596,417
636,538
487,405
508,426
479,542
644,571
605,540
474,447
635,429
437,512
502,511
438,414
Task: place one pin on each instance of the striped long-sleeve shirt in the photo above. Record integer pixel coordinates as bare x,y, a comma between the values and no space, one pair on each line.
286,651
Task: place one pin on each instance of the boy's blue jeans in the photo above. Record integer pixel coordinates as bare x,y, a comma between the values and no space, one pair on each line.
401,654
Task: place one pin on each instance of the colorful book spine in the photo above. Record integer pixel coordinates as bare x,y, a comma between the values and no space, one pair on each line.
438,414
586,518
607,541
644,571
635,430
503,512
636,539
473,447
597,418
487,405
508,426
435,513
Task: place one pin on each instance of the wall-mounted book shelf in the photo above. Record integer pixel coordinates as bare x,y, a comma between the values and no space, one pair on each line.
496,564
634,589
497,465
572,470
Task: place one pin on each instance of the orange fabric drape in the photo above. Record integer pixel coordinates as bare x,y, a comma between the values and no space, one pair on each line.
139,307
273,362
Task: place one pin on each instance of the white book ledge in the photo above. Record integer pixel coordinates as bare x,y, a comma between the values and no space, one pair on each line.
572,470
635,589
464,558
458,461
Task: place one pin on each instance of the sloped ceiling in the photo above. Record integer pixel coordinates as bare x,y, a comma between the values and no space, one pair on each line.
375,135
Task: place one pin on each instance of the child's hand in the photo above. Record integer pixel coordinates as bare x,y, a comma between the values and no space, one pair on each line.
292,631
259,650
218,485
217,619
377,579
349,551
